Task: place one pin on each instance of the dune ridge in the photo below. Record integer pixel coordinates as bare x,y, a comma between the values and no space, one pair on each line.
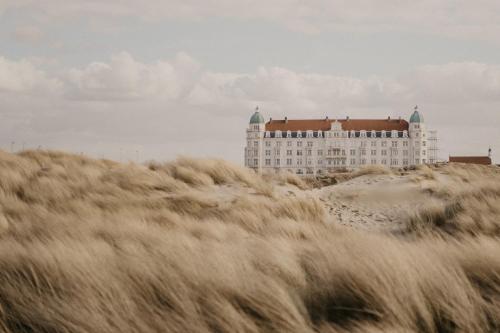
196,245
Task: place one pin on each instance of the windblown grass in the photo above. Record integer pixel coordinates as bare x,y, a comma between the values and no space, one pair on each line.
205,246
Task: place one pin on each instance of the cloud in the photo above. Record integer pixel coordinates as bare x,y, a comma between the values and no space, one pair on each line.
463,18
176,106
24,77
28,34
126,78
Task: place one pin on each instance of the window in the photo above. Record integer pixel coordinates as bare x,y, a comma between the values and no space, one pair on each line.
289,143
278,152
320,152
424,143
299,143
299,152
256,143
374,152
299,134
288,134
299,161
384,162
268,143
309,152
405,152
374,143
384,152
405,143
394,144
374,161
288,161
423,152
363,143
255,161
309,134
289,153
394,162
277,134
363,161
278,144
268,161
320,162
268,153
309,143
353,152
405,162
363,152
384,143
278,161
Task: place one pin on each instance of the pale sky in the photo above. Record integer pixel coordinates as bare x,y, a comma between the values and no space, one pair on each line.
155,79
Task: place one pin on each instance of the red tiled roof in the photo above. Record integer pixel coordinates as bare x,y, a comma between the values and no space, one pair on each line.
485,160
347,125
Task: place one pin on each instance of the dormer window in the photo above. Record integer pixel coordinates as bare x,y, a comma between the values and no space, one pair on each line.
268,134
384,134
277,134
374,134
320,134
394,134
288,134
405,134
299,134
363,134
353,134
309,134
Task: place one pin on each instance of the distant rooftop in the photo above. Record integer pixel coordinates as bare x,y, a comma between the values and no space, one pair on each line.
347,124
484,160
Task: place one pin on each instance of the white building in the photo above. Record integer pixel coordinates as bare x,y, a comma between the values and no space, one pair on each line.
315,146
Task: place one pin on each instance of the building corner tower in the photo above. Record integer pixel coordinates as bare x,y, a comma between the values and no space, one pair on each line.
418,138
255,136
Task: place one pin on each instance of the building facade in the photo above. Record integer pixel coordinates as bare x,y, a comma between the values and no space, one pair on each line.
318,146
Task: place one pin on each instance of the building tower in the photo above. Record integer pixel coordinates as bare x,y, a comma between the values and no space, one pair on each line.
255,136
418,138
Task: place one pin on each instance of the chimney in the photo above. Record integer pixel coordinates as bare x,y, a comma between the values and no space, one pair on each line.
326,119
388,118
400,119
270,119
347,118
286,120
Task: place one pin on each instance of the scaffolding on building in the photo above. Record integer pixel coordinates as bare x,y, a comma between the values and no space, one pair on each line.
433,148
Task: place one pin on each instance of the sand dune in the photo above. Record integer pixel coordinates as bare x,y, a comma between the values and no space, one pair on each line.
205,246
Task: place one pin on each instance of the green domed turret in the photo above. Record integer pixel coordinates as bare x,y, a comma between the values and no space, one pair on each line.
416,117
257,118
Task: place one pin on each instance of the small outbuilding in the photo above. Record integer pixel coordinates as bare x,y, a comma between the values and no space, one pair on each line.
483,160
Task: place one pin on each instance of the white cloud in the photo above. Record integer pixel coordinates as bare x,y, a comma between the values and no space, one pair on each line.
126,78
176,101
24,77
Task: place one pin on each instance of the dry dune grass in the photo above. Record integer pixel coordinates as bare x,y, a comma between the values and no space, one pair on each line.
204,246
